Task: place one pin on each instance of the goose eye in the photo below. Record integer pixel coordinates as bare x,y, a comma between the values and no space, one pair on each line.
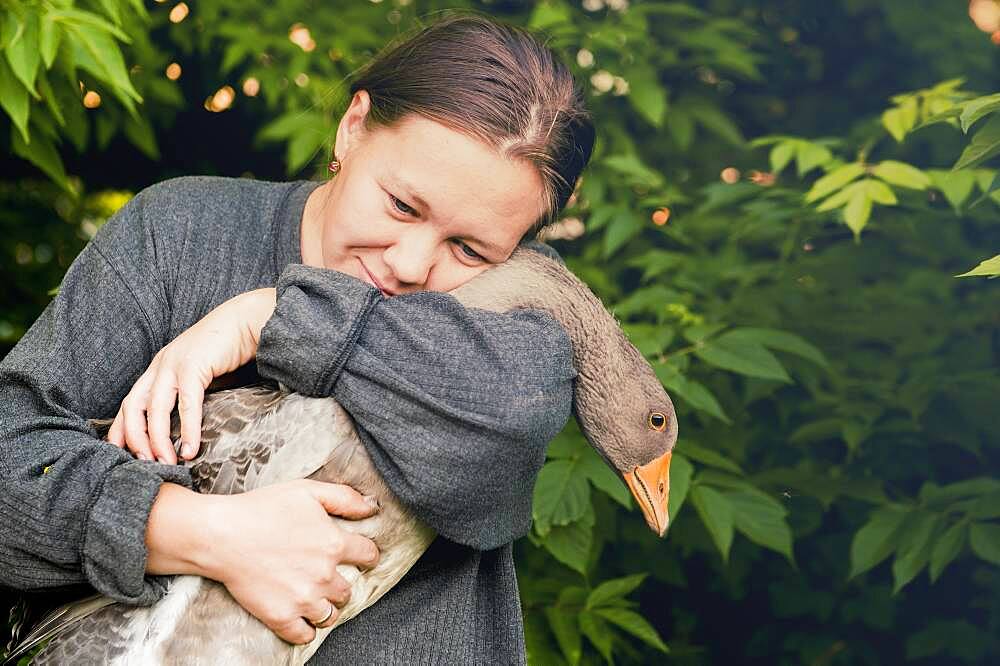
657,421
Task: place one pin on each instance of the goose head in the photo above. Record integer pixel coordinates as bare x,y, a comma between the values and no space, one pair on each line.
621,406
627,417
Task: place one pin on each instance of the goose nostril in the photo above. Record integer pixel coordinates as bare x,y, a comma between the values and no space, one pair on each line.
660,487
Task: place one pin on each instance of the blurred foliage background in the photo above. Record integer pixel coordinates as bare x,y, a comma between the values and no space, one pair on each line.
781,200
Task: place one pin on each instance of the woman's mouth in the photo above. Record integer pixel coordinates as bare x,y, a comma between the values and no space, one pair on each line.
375,283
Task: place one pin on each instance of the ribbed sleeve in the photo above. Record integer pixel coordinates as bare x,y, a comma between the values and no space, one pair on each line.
455,405
74,509
318,317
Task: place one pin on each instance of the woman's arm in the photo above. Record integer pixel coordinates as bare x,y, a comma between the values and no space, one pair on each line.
455,405
74,509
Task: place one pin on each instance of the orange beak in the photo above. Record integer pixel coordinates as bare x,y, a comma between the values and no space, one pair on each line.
650,486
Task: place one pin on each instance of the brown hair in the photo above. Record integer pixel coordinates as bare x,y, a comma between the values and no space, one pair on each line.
491,81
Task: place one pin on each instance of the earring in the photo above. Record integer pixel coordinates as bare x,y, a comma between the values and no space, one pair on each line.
334,166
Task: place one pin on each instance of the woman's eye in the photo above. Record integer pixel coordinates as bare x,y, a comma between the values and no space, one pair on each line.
402,207
469,252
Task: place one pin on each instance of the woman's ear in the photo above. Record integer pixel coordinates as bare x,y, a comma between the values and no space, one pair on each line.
352,124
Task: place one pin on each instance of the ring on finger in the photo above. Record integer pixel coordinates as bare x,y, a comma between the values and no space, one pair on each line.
316,624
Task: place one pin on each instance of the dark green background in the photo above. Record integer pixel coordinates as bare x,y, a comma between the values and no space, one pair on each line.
902,403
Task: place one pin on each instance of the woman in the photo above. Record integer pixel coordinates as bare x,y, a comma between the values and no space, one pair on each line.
457,143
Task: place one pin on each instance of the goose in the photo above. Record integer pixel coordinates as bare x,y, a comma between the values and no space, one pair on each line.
620,405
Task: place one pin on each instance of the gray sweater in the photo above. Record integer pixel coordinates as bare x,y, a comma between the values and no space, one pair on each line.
438,391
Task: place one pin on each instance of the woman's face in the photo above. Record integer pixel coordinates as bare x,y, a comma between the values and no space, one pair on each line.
418,206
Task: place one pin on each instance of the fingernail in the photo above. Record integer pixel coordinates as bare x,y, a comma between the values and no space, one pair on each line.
187,450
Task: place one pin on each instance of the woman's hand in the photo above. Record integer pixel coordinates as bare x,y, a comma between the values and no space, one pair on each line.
275,548
223,340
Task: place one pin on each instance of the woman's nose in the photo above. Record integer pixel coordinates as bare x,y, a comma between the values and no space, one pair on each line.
411,257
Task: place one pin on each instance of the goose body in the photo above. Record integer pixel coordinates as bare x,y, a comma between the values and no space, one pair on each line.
247,443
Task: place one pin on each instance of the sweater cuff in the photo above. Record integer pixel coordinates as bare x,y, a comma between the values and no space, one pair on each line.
113,553
318,316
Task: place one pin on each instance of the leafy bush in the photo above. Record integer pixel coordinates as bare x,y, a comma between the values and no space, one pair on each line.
835,383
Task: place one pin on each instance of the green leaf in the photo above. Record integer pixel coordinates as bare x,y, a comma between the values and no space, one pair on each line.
896,121
770,140
817,431
597,632
631,165
689,390
947,548
709,457
112,9
988,187
844,196
914,547
537,641
782,341
985,267
902,174
621,230
955,185
810,156
984,538
974,109
877,539
720,124
567,632
80,18
934,496
549,13
49,96
597,471
289,125
857,212
646,95
879,192
833,181
233,55
742,355
49,36
681,472
680,124
14,100
610,590
985,144
986,507
781,155
569,443
761,519
95,51
716,514
140,133
301,148
943,116
634,624
561,495
42,153
570,544
23,52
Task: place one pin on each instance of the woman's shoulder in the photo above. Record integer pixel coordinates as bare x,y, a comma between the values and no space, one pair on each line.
196,210
185,196
182,223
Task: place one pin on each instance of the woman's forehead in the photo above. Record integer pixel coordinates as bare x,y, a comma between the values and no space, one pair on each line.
450,176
